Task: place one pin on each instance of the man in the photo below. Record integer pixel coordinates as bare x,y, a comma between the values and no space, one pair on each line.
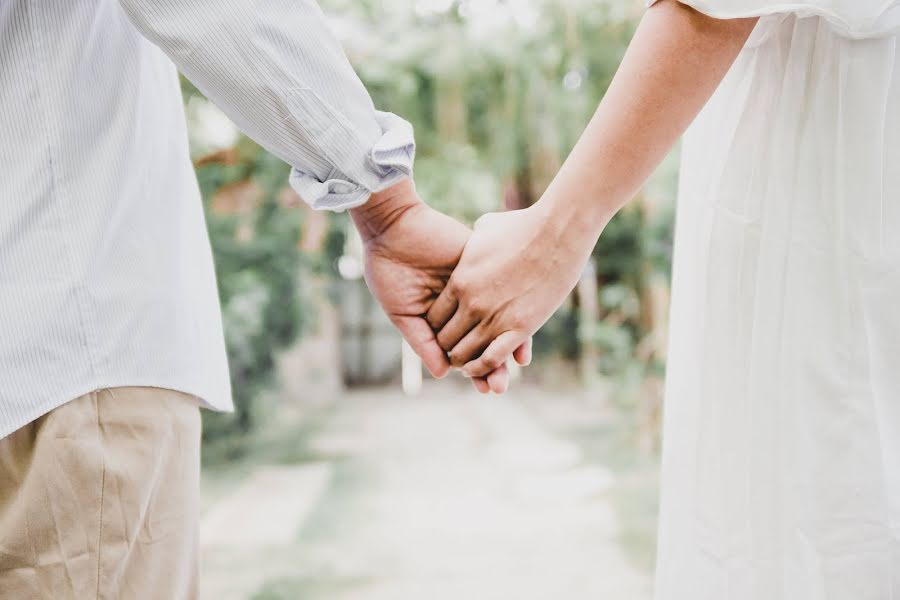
110,333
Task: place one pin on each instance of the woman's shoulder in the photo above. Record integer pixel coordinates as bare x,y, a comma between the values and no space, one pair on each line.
850,18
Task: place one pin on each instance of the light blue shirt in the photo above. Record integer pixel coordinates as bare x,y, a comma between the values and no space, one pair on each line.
106,274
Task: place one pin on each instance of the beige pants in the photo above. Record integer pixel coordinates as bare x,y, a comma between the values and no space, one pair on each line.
99,499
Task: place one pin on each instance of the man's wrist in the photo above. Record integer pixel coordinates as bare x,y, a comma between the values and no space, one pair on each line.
384,208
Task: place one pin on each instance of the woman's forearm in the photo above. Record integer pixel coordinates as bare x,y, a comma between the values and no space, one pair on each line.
518,267
675,62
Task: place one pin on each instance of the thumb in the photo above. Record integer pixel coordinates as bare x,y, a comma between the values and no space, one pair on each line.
422,340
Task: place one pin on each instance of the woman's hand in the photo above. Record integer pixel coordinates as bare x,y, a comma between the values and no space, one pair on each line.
516,270
518,267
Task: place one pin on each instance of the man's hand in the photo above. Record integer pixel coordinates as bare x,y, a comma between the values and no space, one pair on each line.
411,250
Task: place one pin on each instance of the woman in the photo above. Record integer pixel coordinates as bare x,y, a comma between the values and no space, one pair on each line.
781,471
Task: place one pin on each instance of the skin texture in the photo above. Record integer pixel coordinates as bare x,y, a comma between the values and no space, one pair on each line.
411,250
518,267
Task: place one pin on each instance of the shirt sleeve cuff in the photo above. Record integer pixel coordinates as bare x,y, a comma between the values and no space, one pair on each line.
389,161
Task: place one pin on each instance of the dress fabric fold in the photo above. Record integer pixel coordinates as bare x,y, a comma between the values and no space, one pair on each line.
781,458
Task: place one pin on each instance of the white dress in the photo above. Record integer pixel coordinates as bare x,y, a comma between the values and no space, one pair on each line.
781,468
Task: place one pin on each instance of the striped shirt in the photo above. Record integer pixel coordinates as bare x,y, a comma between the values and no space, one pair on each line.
106,273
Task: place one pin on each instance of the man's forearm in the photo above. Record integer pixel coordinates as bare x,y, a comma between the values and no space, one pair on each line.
675,62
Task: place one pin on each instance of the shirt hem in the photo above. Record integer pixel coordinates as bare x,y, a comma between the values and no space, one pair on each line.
222,403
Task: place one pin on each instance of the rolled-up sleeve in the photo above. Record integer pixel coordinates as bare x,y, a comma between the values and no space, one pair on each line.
277,71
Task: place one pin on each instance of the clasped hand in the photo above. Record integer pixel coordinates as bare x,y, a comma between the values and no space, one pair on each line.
465,299
514,273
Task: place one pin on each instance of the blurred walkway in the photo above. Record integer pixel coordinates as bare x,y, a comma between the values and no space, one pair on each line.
450,496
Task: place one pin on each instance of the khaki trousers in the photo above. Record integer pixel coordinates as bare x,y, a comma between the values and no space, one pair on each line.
100,499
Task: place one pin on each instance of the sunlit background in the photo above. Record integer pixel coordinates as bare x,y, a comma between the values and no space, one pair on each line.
347,474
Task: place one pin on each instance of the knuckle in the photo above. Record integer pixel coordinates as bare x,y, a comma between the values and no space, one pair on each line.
462,286
518,323
476,307
459,289
456,358
491,362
